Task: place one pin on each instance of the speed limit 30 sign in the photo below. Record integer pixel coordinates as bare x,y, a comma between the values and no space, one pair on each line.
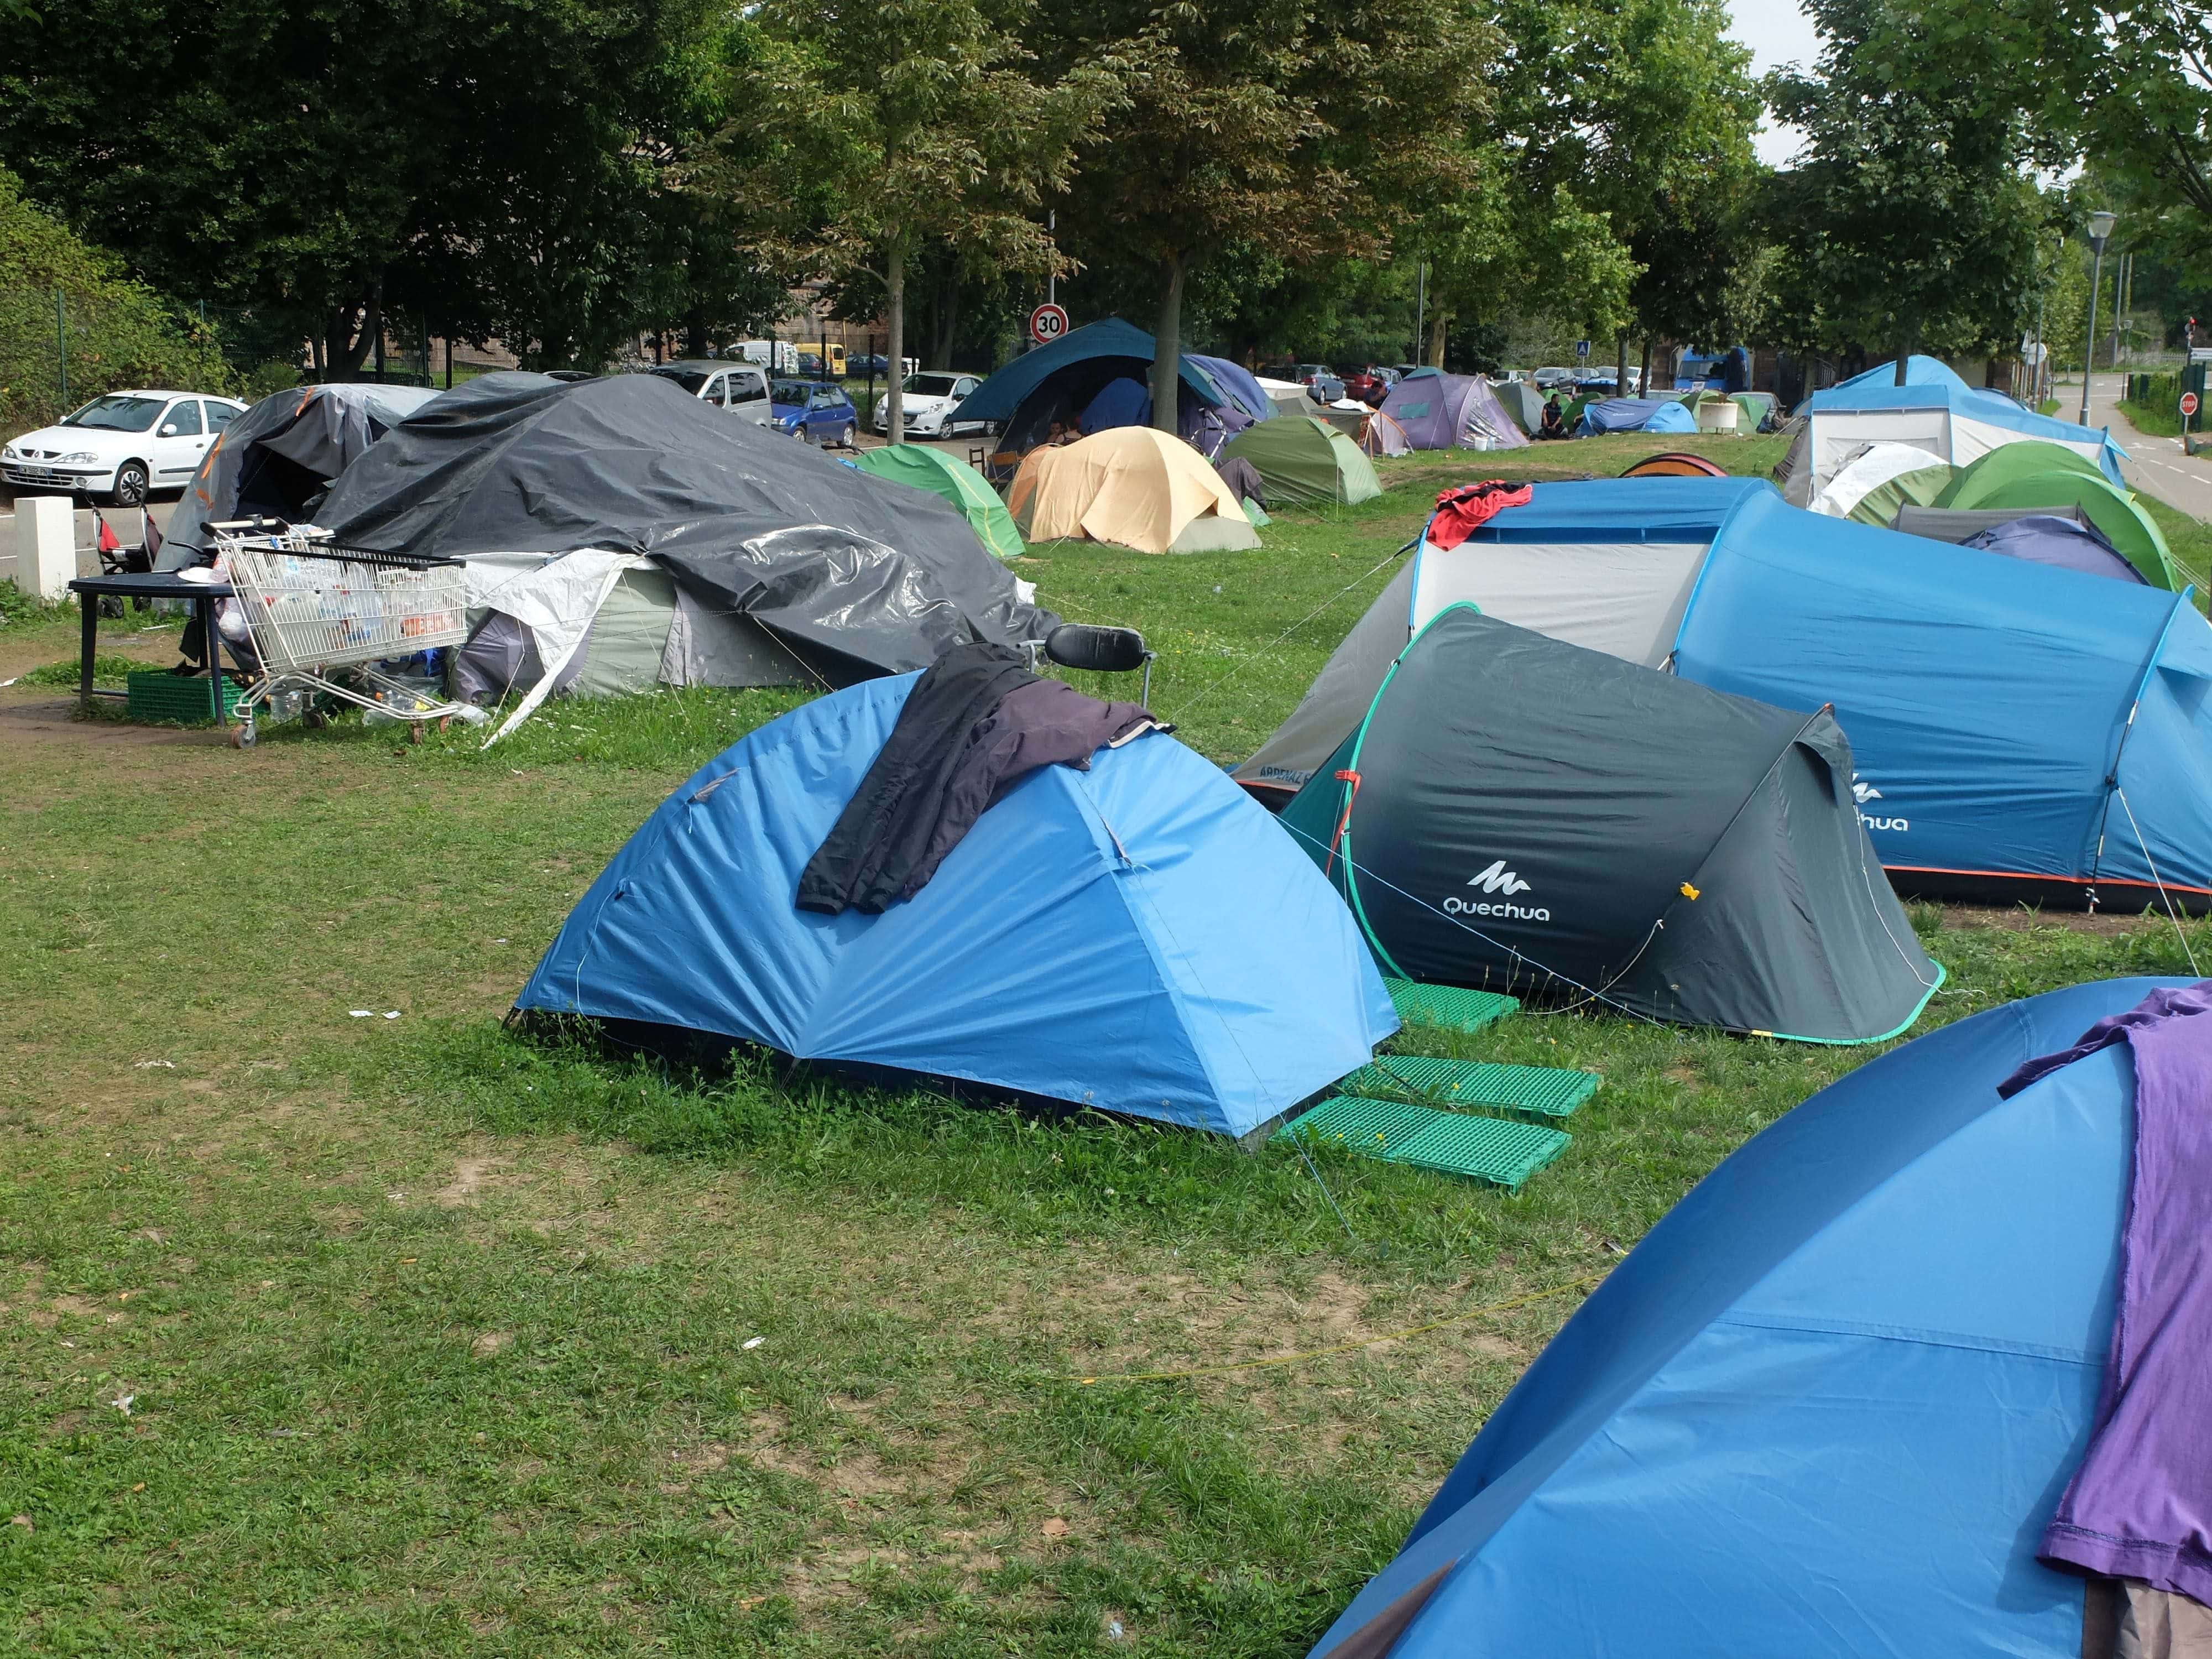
1047,324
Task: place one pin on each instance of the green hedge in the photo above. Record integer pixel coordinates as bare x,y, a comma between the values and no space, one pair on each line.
120,332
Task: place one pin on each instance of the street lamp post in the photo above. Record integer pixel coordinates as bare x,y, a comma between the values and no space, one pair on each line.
2100,227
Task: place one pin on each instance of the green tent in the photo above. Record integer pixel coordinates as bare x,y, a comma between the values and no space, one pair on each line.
1994,482
958,482
2009,463
1522,402
1879,506
1304,462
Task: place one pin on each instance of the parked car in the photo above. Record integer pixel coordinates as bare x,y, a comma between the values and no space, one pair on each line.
123,446
741,388
1321,382
1547,379
872,364
1370,385
815,412
927,401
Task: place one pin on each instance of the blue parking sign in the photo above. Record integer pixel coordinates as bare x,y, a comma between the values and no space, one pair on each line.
1581,348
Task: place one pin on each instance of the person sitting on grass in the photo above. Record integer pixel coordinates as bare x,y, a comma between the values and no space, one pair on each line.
1554,424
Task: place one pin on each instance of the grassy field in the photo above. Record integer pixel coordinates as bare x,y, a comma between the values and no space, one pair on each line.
333,1331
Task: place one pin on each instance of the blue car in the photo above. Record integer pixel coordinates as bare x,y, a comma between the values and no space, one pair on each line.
815,410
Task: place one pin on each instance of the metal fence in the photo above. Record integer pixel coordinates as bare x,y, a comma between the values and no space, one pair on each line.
60,347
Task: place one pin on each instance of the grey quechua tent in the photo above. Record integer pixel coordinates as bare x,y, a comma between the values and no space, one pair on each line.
846,575
1524,815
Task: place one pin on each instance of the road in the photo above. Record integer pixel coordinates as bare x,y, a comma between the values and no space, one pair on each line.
2154,465
124,520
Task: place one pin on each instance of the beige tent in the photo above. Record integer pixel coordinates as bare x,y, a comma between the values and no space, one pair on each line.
1132,486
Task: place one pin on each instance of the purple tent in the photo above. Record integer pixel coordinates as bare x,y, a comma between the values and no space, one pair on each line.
1441,411
2042,539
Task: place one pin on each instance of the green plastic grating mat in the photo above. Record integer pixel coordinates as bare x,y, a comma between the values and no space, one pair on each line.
175,699
1543,1091
1449,1005
1494,1150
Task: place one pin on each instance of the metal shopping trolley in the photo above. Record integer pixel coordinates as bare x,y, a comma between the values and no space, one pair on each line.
313,607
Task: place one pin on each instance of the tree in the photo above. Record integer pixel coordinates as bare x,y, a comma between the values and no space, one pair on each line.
1910,224
1289,129
917,124
120,333
341,158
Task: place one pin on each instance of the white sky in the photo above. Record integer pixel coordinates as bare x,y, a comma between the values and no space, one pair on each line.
1778,32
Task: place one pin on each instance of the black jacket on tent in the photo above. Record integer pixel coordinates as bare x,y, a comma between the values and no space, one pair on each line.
1526,815
854,575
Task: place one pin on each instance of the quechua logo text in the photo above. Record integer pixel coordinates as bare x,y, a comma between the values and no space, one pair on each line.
1506,886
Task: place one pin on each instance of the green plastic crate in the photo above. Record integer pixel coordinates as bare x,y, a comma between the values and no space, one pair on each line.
171,699
1449,1005
1551,1091
1496,1150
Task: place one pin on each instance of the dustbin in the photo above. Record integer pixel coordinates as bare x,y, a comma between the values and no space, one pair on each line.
1717,415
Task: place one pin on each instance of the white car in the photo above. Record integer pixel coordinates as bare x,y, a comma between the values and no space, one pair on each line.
927,401
124,446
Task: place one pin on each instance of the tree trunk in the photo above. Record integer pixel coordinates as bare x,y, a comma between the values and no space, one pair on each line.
1621,367
1905,354
1644,375
948,323
695,333
895,348
1433,352
1167,345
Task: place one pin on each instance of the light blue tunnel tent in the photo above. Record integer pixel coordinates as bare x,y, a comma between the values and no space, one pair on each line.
1137,938
1824,1409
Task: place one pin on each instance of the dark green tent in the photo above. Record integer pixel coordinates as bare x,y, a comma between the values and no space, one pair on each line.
1521,814
1304,462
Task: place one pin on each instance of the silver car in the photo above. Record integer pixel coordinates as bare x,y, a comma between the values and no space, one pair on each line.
741,388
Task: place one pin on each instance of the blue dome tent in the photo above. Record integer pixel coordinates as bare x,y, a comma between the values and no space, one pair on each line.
2020,730
1636,415
1825,1407
1060,382
1136,938
1934,411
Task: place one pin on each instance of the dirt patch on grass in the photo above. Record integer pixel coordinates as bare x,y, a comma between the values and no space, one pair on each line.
470,1177
2023,918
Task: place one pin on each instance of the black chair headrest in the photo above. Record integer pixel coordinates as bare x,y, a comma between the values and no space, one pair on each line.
1104,650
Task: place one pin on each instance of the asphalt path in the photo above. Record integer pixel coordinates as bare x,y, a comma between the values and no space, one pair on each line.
2156,466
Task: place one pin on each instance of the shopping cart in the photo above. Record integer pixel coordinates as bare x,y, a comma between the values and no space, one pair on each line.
313,607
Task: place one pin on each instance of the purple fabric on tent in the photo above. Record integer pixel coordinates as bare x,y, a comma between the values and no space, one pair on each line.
2041,539
2140,1505
1439,411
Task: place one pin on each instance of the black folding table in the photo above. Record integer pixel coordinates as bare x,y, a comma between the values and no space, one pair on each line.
157,585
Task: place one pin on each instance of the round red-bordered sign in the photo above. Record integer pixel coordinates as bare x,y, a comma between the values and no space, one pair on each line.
1047,323
2189,403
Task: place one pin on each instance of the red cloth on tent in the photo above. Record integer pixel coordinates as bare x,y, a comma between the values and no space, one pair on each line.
1460,510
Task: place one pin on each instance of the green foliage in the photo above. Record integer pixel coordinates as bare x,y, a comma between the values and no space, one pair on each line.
1295,129
496,168
120,333
1909,225
916,126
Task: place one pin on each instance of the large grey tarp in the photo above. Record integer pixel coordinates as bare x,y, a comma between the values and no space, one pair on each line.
854,575
1533,816
279,457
